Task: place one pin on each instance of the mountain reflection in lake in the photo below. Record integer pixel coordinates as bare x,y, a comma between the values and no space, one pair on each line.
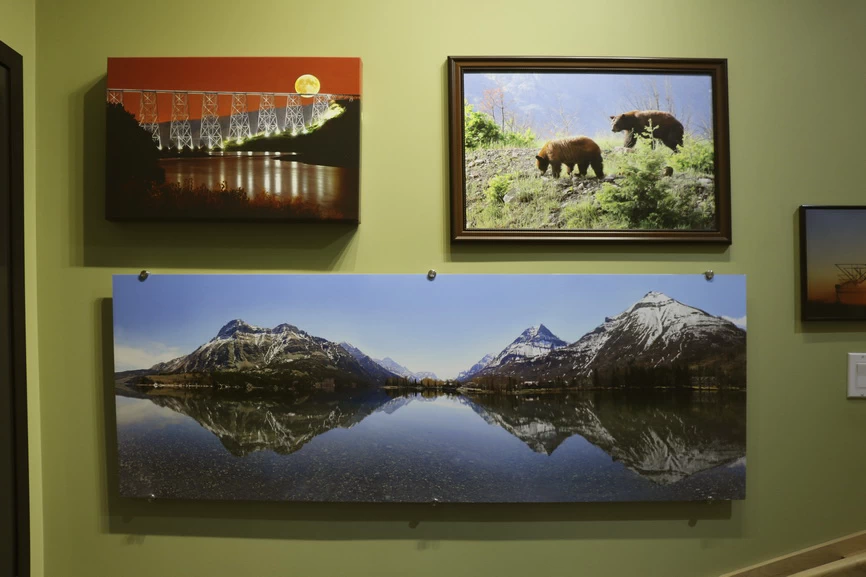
389,446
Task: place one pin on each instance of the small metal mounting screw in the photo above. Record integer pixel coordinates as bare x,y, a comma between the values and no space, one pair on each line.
151,498
431,274
435,501
709,274
142,276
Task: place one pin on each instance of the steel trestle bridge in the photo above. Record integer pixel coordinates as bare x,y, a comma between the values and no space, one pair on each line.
210,132
851,279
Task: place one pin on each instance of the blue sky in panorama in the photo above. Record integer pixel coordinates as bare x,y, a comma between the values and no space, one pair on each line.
444,326
588,101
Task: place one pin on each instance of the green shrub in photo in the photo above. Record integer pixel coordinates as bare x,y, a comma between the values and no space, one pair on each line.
643,198
638,195
581,215
695,155
497,187
480,130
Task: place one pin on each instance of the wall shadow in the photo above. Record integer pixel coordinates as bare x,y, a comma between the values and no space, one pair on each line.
106,426
238,245
332,521
340,521
586,252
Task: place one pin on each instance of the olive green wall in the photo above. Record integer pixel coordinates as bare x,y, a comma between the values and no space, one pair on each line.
797,86
18,31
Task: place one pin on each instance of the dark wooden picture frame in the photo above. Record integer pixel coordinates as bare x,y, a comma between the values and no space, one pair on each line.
14,480
843,230
717,191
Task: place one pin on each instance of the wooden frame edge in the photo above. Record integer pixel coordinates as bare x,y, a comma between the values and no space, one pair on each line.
716,68
14,63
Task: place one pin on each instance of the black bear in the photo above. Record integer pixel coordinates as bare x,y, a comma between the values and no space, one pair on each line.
665,127
579,150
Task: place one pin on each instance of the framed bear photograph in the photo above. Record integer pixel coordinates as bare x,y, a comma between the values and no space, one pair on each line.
589,149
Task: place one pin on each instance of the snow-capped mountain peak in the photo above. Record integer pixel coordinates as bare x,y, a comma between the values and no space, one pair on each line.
654,297
388,364
657,315
237,326
239,346
353,350
476,368
533,342
398,369
656,330
395,367
659,320
539,331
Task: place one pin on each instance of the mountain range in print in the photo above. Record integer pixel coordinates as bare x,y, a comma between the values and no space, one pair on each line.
648,404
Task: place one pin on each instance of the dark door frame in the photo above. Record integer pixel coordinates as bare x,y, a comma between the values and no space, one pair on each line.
12,61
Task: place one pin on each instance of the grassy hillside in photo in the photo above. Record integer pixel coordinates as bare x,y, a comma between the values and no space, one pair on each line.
648,187
504,189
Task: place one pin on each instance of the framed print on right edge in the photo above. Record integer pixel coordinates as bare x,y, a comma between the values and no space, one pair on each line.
589,149
832,267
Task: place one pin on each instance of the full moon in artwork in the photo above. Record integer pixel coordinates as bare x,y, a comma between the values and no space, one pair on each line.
307,85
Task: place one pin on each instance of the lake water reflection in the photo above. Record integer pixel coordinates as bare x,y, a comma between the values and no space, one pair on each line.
394,446
326,186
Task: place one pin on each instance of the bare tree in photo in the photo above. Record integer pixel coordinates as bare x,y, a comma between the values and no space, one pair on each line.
487,104
704,128
645,97
653,96
564,117
670,104
496,100
521,121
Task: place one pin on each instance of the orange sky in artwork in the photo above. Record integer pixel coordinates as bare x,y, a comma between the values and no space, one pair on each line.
233,74
833,236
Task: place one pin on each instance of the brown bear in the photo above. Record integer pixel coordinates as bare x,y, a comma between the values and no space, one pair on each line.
579,150
666,128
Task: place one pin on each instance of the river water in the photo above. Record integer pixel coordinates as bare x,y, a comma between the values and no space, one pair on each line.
324,186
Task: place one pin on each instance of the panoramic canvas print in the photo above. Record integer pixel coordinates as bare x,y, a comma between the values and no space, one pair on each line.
833,262
391,388
233,138
580,148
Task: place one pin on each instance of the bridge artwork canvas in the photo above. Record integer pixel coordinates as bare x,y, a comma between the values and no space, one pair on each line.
391,388
233,139
833,263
